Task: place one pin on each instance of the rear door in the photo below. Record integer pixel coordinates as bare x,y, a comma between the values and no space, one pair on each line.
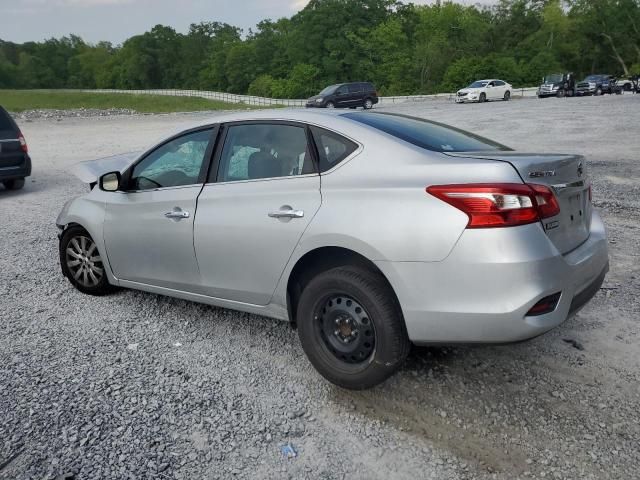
11,154
252,213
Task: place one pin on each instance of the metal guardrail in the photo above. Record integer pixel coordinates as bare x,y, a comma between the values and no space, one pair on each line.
290,102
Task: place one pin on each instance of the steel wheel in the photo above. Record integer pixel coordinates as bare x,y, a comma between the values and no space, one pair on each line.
345,328
368,104
84,262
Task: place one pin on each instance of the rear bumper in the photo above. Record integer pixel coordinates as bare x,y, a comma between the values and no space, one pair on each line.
483,291
16,171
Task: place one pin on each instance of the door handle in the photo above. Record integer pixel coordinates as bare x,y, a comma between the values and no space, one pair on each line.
177,214
288,213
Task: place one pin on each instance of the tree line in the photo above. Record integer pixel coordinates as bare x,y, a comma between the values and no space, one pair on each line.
401,47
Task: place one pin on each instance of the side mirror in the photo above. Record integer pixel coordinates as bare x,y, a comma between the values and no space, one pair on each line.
110,182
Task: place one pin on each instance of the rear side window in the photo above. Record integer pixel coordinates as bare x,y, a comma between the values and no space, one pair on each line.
355,88
426,134
5,121
332,148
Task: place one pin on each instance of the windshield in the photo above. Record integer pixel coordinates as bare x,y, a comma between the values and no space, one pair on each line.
555,78
329,90
592,78
426,134
480,84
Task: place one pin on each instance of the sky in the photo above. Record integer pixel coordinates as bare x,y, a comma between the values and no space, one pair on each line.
117,20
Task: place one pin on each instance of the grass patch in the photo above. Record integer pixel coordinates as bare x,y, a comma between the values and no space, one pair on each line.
20,100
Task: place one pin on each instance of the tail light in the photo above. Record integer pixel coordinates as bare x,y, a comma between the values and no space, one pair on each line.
23,143
499,205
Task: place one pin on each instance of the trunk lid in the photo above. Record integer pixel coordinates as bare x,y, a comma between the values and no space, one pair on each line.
567,176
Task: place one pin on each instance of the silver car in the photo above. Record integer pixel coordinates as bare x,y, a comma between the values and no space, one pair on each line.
368,231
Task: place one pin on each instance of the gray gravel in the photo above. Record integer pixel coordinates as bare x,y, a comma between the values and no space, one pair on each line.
48,113
135,385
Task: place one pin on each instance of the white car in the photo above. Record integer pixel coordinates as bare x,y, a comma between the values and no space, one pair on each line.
484,90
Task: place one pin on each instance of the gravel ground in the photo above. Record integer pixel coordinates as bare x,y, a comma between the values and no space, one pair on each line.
135,385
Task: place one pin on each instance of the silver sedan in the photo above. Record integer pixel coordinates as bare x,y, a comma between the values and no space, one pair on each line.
368,231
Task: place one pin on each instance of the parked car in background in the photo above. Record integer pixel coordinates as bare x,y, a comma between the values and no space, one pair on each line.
596,85
557,85
15,163
345,95
368,231
485,90
625,84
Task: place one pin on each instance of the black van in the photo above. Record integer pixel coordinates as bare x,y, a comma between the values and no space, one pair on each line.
15,163
345,95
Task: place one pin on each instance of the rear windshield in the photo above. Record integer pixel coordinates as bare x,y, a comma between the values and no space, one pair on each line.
5,120
426,134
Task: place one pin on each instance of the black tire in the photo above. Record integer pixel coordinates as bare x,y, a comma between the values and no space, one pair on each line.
483,98
561,93
330,105
14,184
598,92
507,96
368,104
92,262
377,328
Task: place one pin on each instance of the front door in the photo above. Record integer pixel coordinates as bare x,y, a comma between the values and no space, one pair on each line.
148,228
253,213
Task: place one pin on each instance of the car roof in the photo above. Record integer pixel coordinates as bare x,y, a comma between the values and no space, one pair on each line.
328,119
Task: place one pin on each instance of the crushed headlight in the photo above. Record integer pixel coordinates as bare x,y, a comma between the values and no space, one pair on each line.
319,100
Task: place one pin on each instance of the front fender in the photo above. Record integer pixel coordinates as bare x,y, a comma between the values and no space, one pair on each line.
88,211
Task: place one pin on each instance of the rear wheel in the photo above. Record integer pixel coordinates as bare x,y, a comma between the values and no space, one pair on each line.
81,262
483,98
15,184
368,104
351,327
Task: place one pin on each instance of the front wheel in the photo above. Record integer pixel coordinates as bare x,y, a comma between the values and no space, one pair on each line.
598,92
81,262
351,327
483,98
368,104
14,184
330,105
507,96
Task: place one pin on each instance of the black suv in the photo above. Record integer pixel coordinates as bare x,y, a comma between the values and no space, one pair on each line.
345,95
15,163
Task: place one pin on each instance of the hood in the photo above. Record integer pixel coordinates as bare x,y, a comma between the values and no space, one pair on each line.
470,90
314,98
91,170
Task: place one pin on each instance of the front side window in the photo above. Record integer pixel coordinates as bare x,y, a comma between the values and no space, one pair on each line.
261,150
175,163
355,88
332,148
